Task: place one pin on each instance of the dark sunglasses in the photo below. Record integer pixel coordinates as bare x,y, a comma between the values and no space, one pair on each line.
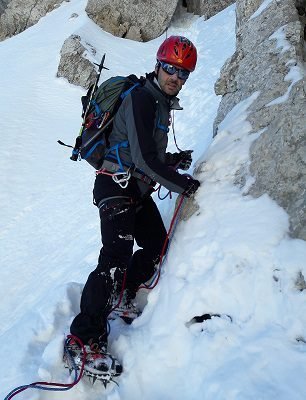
171,70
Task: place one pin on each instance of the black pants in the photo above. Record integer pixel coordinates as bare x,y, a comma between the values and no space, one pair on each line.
125,217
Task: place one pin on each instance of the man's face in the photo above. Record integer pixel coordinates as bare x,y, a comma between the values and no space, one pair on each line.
170,84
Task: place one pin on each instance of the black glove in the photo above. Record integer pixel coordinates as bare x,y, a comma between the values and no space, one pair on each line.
193,186
183,159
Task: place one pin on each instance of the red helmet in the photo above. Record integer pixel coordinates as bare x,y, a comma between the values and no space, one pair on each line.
178,51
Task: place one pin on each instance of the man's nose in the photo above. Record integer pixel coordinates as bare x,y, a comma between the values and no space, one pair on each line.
175,76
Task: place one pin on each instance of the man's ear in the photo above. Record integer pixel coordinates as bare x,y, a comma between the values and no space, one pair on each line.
156,69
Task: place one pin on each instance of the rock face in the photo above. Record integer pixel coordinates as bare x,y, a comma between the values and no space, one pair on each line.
143,20
18,15
207,8
137,20
3,5
270,58
74,66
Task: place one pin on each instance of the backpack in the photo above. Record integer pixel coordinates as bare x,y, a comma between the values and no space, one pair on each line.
100,108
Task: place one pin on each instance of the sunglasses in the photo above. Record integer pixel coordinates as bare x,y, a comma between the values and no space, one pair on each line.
171,70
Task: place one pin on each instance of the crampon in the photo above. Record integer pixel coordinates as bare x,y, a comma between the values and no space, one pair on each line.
95,364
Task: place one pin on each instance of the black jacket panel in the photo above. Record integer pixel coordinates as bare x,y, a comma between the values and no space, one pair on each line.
143,120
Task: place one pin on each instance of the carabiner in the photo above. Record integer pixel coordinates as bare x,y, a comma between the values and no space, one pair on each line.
124,180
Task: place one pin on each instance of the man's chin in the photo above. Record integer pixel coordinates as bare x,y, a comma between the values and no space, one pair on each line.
171,91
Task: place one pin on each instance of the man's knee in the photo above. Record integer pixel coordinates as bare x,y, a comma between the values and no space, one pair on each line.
112,207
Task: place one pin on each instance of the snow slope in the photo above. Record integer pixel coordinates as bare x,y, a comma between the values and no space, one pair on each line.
233,256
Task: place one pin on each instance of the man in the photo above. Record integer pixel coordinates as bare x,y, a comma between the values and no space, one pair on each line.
127,210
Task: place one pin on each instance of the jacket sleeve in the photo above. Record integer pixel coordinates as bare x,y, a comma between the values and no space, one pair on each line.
140,111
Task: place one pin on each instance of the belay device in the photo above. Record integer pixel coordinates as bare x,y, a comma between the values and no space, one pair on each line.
100,105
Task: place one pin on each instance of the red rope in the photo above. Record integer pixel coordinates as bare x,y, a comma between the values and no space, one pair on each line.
160,258
165,245
56,384
104,172
81,344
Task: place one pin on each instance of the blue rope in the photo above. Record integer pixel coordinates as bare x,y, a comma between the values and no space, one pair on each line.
53,389
33,386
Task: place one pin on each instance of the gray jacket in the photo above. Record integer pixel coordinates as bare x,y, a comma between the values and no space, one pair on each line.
142,121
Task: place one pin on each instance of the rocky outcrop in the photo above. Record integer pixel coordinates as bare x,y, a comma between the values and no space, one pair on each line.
136,20
207,8
145,20
270,59
18,15
74,64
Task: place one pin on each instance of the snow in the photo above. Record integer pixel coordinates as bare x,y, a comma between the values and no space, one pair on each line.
296,72
281,42
232,257
264,5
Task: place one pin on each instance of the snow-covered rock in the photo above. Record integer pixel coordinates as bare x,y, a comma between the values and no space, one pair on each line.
270,59
74,66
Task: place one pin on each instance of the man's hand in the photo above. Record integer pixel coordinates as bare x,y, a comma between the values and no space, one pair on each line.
193,186
183,160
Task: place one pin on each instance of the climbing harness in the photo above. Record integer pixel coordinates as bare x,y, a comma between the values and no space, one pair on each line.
121,173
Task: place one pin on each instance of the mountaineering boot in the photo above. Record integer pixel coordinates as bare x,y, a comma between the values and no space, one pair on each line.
98,363
125,309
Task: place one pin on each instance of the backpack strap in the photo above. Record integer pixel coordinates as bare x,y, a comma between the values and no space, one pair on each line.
93,148
116,148
124,94
161,126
